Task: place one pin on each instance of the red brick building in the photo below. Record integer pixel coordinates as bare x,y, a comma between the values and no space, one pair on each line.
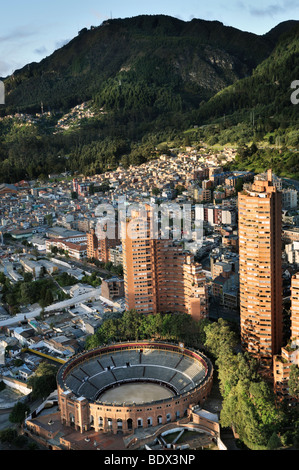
99,248
160,276
260,269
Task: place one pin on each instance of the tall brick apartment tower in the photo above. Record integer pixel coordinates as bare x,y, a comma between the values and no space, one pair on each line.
98,248
260,270
159,275
139,264
295,307
92,245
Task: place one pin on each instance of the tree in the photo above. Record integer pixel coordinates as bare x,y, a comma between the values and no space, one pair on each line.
294,381
220,337
108,331
274,442
49,297
8,435
43,382
28,277
237,412
54,250
49,220
18,413
131,325
27,293
248,403
155,191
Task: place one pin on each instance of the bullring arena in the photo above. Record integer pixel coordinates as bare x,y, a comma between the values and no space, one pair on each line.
128,386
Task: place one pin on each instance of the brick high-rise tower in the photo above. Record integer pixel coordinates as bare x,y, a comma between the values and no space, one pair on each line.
295,307
260,228
160,276
92,245
98,248
139,264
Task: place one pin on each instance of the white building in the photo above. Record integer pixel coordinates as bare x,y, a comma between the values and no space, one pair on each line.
289,199
292,252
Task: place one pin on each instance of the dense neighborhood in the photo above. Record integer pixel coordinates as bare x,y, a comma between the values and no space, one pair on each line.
57,287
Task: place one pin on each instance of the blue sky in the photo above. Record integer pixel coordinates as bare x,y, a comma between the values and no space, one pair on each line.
33,29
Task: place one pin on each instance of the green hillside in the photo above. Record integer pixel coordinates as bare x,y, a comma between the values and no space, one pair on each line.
202,56
148,80
267,90
258,109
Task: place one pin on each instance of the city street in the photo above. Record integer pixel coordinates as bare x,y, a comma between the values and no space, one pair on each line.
96,293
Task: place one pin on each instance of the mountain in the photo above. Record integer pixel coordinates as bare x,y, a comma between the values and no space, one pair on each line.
274,34
267,90
149,80
258,110
200,57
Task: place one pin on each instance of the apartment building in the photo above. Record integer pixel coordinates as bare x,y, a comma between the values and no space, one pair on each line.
81,188
295,306
113,288
289,355
138,264
216,215
92,245
99,248
260,269
116,255
289,198
292,252
160,276
76,250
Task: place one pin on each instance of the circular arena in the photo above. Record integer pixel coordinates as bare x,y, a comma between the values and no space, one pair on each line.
126,386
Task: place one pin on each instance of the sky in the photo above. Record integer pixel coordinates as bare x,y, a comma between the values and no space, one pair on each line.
33,29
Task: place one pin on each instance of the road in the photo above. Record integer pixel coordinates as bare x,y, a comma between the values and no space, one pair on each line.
86,267
95,293
294,183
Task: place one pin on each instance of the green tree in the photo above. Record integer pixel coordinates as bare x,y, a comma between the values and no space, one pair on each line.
18,413
27,293
219,337
294,381
274,442
43,382
48,299
8,435
248,403
49,219
155,191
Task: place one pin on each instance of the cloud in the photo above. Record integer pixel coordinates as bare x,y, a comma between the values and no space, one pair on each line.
273,9
17,34
41,50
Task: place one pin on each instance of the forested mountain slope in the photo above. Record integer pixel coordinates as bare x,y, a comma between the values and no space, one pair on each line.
148,80
196,58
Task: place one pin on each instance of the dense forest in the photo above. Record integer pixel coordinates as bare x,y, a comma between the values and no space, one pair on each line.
267,92
153,81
